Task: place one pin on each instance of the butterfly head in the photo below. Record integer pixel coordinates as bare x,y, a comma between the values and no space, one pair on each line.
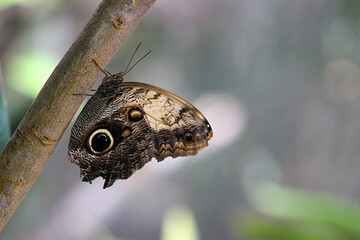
117,77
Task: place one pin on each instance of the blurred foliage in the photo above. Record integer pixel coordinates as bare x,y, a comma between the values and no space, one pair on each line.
4,4
35,69
4,120
179,223
8,3
299,215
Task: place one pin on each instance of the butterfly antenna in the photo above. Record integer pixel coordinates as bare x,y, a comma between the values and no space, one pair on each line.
136,63
132,57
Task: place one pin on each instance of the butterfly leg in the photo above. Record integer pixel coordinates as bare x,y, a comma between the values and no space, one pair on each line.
83,94
107,73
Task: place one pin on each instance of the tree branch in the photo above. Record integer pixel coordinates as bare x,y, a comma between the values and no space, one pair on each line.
46,120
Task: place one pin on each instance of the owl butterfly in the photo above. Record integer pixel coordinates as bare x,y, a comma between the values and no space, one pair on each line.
125,124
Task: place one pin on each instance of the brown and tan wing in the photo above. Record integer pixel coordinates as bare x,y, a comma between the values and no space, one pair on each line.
179,128
111,139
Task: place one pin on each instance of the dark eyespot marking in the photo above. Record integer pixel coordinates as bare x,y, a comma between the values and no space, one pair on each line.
100,142
188,137
208,130
208,127
135,115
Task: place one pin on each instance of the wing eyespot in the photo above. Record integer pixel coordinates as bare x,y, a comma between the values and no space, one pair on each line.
188,137
135,115
208,127
100,142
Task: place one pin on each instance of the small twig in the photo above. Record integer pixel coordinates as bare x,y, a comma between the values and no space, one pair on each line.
43,125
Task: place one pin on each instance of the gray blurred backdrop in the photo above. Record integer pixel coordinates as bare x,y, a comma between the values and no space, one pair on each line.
279,81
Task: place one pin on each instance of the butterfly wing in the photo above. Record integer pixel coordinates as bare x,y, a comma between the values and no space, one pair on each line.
179,128
132,138
144,121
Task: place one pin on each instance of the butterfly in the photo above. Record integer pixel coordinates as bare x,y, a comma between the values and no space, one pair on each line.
126,124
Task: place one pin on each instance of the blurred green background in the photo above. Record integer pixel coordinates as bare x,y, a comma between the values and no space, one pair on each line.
279,81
